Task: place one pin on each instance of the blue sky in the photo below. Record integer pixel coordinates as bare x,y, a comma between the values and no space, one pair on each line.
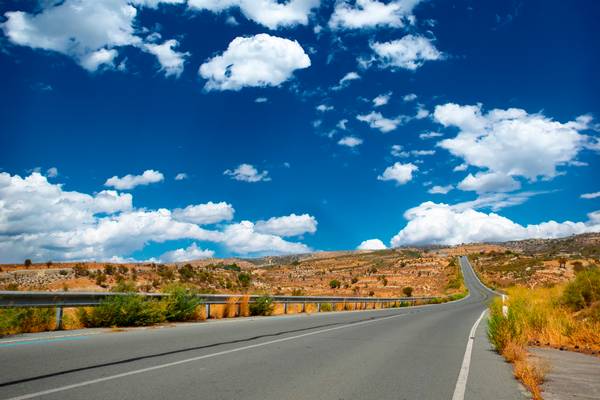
464,121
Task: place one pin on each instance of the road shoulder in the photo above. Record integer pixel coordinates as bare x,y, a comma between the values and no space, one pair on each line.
570,375
490,376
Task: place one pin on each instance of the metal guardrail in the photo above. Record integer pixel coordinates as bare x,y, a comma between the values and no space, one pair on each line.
62,300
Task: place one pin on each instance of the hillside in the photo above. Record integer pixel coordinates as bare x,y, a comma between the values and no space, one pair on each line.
349,273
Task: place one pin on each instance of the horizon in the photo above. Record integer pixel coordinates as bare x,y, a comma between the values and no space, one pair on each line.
137,130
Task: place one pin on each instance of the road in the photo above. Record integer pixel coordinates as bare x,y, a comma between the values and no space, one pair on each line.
407,353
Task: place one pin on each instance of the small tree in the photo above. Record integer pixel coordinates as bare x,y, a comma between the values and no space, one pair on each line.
244,278
334,284
407,291
27,262
101,279
186,272
109,269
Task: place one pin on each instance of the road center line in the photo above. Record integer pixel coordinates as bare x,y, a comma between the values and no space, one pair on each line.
188,360
461,383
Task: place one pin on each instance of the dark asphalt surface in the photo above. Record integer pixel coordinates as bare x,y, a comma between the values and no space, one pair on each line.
407,353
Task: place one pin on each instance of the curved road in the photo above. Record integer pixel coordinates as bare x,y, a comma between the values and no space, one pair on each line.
407,353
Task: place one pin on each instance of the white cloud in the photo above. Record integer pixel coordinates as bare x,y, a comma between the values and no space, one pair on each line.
131,181
342,124
52,172
289,225
512,142
433,223
32,205
171,61
372,244
346,79
261,100
409,97
204,214
371,13
398,151
247,173
192,252
242,238
377,121
41,221
324,107
440,189
400,173
590,195
410,52
181,176
350,141
270,13
231,21
422,112
104,57
255,61
460,167
420,153
497,201
88,31
430,135
485,182
382,99
84,30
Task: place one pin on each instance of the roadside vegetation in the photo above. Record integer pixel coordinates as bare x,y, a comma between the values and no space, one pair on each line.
185,282
565,316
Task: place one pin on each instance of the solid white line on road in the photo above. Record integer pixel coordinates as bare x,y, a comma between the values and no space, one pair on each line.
188,360
461,383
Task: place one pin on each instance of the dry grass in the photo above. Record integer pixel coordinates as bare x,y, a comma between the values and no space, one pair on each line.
231,308
244,306
539,317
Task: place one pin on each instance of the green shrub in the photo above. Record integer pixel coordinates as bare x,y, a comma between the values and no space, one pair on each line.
23,320
124,287
262,305
181,304
187,272
334,284
244,278
407,291
326,307
232,267
126,310
584,290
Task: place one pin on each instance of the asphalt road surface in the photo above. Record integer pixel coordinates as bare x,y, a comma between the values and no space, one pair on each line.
427,352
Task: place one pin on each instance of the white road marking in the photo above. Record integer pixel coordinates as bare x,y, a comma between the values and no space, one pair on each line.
188,360
461,383
47,337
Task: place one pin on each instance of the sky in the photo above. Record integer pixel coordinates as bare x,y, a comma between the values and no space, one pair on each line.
170,130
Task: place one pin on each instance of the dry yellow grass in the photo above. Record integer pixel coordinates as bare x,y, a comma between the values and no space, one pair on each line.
245,306
231,308
538,317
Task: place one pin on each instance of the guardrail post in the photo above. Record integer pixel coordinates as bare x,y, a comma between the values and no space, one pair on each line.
59,316
207,310
239,309
318,307
285,307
